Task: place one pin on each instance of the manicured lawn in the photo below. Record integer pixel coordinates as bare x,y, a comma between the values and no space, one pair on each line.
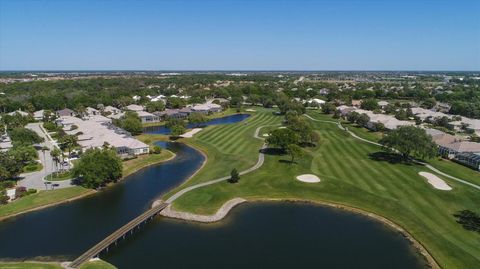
352,174
40,199
229,146
97,265
30,265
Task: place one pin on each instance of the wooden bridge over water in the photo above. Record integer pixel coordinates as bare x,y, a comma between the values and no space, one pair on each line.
120,233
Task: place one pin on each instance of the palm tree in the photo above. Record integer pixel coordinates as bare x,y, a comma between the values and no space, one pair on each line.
45,148
68,142
55,153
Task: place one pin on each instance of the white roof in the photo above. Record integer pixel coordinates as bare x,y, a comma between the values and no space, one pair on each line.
97,130
23,113
135,108
111,109
145,114
38,114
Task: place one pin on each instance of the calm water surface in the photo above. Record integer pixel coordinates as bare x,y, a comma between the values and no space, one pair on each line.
266,235
223,120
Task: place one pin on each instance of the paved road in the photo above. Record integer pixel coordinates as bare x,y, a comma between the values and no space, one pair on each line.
261,159
418,162
34,180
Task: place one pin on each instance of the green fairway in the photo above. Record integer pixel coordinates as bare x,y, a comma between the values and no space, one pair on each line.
351,174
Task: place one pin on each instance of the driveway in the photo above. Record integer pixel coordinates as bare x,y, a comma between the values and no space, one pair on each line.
34,180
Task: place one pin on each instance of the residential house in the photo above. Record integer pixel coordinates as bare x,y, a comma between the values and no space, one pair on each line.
66,112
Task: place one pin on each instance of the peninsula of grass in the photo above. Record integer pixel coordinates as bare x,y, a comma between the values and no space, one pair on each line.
42,199
354,174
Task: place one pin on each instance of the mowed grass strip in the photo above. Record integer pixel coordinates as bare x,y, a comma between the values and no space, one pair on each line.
351,177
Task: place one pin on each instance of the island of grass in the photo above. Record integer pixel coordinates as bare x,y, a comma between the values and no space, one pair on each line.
353,176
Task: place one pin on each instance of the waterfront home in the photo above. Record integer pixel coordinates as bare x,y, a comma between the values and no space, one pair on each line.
207,108
96,131
173,113
147,117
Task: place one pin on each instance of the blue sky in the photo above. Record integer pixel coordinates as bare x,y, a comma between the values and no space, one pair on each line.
240,35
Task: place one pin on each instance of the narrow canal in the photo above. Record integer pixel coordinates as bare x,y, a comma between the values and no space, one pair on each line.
265,235
222,120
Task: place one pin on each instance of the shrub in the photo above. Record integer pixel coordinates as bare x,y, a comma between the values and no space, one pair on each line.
157,150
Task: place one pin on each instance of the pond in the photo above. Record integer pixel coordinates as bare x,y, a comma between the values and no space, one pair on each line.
223,120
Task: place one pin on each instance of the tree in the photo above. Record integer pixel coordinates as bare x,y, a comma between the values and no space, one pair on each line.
177,130
55,154
97,167
130,123
234,176
469,220
294,151
197,118
363,119
24,136
410,141
155,106
352,116
157,149
68,142
282,138
328,108
369,104
10,165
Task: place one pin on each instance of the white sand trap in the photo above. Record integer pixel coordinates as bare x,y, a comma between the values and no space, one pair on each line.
283,127
266,135
435,181
308,178
250,110
191,132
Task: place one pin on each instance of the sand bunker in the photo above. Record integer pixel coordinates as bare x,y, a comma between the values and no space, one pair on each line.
191,132
250,110
266,135
435,181
308,178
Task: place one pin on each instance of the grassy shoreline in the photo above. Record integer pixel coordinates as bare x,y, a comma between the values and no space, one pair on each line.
96,264
44,199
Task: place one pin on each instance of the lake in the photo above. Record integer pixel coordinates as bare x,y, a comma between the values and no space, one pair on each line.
222,120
